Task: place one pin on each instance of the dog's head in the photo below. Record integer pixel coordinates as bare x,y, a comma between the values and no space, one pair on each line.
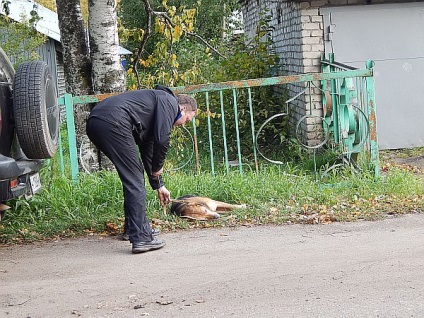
178,207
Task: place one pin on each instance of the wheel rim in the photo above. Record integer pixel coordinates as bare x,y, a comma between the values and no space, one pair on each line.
52,110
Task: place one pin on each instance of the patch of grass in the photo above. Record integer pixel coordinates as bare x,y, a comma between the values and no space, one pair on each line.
276,195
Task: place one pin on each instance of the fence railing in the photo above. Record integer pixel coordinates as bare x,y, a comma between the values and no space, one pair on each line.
348,106
349,111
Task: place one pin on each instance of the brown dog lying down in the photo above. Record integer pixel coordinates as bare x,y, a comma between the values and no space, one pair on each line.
201,208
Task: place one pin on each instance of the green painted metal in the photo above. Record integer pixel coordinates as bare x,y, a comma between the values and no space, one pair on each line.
61,158
252,125
352,120
278,80
224,132
340,122
237,131
208,112
372,115
196,148
69,110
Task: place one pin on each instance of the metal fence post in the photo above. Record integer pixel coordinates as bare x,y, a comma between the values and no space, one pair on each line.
70,124
372,120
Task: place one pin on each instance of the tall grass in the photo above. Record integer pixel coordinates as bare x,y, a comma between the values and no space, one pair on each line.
94,204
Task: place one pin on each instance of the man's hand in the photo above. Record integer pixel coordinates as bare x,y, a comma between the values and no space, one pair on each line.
164,195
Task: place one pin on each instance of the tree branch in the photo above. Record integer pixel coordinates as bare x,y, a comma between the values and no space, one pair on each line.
202,40
192,34
148,31
146,36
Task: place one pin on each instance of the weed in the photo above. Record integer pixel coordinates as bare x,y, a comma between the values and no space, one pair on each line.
276,195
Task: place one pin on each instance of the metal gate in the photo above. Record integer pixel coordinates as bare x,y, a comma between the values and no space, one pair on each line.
349,118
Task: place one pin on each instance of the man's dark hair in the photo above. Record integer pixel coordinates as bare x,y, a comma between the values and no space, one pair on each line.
188,101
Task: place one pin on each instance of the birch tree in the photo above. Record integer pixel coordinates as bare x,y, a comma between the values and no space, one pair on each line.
77,64
108,73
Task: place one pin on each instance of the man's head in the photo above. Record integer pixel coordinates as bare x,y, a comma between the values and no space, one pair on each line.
188,108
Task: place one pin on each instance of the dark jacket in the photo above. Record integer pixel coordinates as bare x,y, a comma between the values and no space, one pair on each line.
150,114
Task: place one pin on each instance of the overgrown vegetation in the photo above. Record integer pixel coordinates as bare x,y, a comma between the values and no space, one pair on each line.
275,196
19,40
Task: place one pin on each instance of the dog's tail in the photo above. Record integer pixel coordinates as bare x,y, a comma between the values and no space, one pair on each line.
178,207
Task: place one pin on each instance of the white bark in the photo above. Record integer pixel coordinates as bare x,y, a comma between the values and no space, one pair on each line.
76,58
75,49
108,73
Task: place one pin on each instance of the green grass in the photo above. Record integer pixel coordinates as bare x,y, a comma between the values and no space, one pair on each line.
274,196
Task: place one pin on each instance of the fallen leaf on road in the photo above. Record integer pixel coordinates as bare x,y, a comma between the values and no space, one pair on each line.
164,302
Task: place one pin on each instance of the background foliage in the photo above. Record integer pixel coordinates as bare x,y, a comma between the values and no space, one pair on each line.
19,40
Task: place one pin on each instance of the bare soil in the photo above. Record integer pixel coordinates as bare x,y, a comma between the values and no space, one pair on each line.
358,269
410,159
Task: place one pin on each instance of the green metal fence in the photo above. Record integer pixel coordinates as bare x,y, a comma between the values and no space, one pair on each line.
348,114
349,111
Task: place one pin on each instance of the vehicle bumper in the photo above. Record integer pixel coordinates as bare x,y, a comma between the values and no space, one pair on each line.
16,169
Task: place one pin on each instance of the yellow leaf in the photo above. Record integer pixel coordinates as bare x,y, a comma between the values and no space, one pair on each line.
178,31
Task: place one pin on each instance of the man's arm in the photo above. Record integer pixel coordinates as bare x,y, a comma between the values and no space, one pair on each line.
165,113
146,153
155,181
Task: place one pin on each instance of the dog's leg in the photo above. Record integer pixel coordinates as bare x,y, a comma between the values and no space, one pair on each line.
215,205
199,212
226,207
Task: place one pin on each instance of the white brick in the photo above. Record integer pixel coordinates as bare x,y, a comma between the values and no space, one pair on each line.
312,40
310,12
316,18
307,62
311,26
317,33
305,18
312,55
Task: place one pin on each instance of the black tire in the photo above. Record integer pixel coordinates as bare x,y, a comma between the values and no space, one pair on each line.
36,111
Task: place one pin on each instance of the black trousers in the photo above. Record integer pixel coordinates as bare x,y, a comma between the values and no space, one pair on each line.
117,143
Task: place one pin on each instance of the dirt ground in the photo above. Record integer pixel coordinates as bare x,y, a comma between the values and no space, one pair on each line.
412,159
360,269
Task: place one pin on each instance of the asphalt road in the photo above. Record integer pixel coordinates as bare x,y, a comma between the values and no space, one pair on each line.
362,269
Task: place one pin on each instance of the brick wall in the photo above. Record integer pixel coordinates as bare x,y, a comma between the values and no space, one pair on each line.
298,40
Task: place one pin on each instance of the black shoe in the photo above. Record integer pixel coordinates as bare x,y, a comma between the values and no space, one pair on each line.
142,247
126,237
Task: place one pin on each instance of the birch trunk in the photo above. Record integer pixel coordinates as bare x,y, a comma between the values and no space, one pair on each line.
108,73
77,64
